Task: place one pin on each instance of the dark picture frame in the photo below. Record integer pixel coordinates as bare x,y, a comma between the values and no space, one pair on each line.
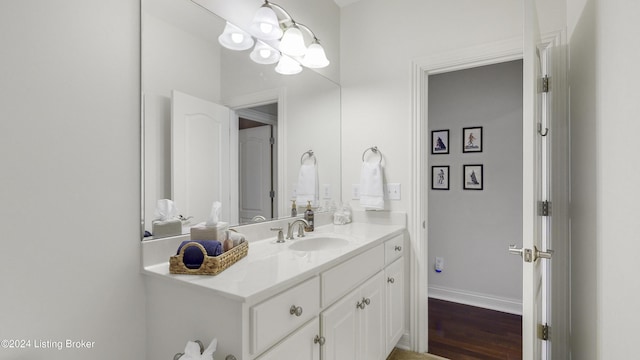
472,139
440,177
440,142
473,177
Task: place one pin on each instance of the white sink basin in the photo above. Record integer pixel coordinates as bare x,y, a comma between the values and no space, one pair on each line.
317,243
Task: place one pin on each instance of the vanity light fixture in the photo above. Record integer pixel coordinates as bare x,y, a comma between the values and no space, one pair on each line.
264,54
265,24
278,39
288,66
235,38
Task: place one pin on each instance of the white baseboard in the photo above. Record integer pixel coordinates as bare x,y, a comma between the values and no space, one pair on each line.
511,306
404,343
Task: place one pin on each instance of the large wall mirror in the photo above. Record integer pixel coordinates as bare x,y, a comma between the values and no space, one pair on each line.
219,127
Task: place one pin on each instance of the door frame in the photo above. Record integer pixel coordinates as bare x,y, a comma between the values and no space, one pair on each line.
268,96
485,54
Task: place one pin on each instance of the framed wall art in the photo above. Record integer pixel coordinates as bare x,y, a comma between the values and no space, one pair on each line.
472,139
473,177
440,177
440,142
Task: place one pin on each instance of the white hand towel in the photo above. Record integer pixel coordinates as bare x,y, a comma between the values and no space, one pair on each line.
308,188
371,188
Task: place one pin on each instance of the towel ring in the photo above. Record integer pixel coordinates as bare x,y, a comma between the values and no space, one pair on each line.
310,154
375,150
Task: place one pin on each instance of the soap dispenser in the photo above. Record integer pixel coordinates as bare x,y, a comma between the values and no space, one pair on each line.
294,209
308,215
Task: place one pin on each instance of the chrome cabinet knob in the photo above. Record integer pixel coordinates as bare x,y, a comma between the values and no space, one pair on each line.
398,248
391,280
319,340
295,310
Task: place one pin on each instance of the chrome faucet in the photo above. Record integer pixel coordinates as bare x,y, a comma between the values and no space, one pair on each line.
301,224
258,218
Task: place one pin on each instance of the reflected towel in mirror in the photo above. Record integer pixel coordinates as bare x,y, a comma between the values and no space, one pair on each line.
308,188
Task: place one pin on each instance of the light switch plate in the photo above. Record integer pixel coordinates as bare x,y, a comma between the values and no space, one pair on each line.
355,191
393,191
326,191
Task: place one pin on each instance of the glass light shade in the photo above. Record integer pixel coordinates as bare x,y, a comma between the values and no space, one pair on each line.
264,54
292,42
265,24
235,38
288,66
315,57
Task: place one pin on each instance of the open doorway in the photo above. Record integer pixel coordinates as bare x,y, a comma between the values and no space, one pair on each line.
474,172
257,163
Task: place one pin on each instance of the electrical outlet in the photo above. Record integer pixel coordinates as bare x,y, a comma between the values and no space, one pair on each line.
326,191
439,264
355,191
392,190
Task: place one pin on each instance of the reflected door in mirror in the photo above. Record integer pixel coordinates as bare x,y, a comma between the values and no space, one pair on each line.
256,173
200,156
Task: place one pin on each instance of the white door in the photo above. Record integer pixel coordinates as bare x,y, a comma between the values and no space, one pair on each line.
199,156
532,247
255,173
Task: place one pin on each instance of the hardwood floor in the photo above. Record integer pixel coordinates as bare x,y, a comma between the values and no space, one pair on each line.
463,332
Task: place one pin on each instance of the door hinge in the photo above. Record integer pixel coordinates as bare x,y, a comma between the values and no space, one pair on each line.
272,194
543,331
272,140
544,84
544,208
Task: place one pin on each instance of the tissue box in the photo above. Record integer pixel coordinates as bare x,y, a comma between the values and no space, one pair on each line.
203,232
166,228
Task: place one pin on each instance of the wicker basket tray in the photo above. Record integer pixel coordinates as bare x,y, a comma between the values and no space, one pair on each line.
211,265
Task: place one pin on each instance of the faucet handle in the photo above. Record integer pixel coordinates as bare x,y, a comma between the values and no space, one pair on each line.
280,235
300,230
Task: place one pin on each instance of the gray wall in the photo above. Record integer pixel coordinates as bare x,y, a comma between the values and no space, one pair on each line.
472,229
70,183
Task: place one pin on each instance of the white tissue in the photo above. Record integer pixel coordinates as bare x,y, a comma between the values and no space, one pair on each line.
214,217
165,210
192,351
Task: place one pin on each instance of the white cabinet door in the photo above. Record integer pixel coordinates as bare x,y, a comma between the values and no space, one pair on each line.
301,345
354,327
394,277
340,329
372,319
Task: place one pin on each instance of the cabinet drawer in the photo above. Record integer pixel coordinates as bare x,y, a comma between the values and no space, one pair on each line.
276,317
393,249
339,280
301,345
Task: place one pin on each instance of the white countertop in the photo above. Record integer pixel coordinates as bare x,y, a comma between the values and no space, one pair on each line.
271,267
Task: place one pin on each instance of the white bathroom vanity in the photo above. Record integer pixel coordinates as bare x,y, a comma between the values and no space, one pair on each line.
338,293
